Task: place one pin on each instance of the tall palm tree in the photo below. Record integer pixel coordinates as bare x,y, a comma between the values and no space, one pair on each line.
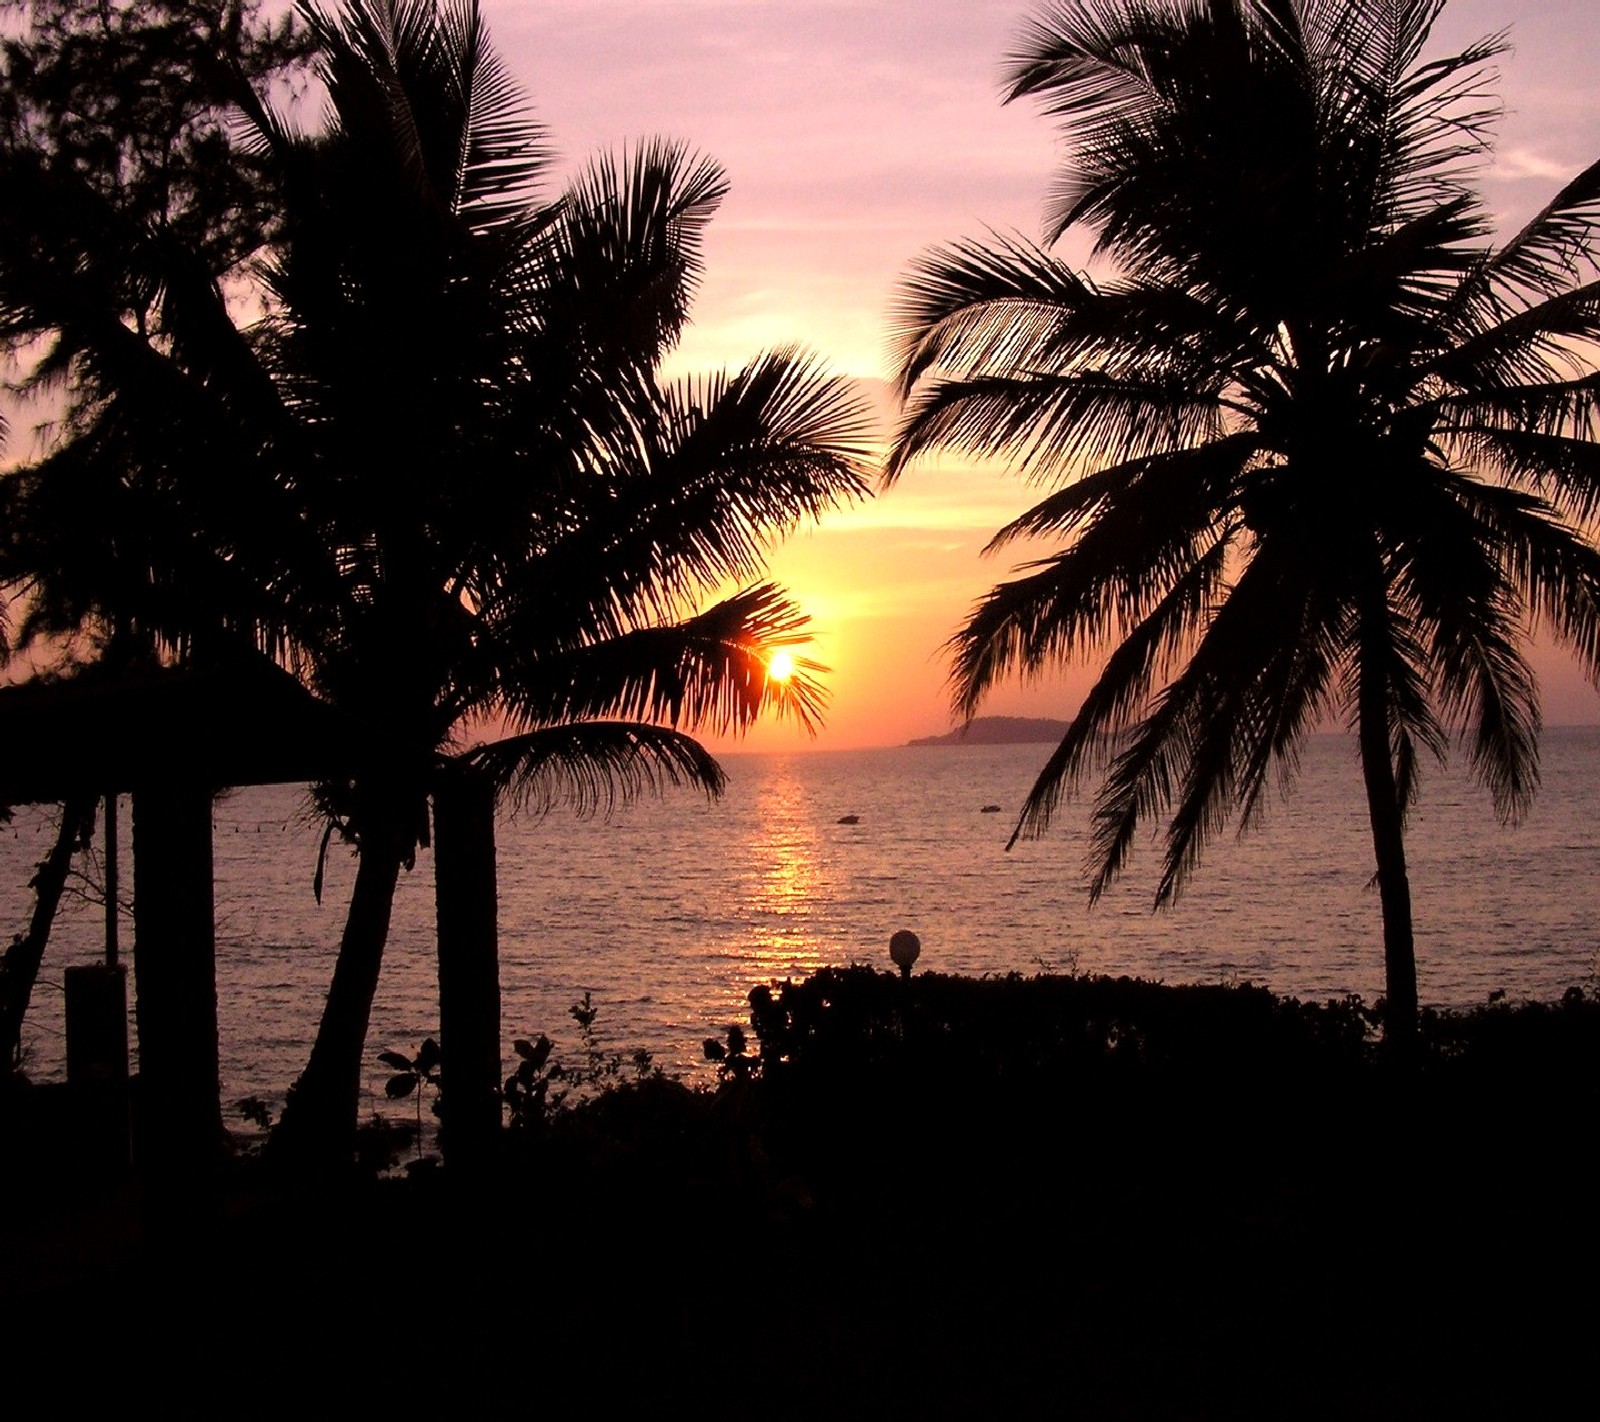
456,493
519,516
1319,447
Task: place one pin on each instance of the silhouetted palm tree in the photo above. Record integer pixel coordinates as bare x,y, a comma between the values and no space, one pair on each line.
442,478
518,514
1321,449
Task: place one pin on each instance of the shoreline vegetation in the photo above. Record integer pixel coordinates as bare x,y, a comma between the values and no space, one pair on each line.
1053,1195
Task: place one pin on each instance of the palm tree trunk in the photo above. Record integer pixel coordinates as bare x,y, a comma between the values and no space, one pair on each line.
469,967
19,967
319,1120
1387,817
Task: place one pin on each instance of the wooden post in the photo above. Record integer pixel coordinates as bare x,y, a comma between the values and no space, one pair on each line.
113,888
175,984
97,1064
465,893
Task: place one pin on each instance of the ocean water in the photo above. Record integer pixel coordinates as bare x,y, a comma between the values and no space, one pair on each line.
668,912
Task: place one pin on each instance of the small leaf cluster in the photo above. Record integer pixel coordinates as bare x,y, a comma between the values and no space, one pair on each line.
255,1110
600,1068
411,1072
531,1094
529,1102
735,1061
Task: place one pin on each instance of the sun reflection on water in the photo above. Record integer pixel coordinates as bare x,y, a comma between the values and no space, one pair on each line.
787,877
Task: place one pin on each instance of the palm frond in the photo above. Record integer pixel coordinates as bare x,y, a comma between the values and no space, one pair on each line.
1530,346
360,50
1208,475
1550,255
742,460
716,470
973,313
1255,687
1124,563
1054,426
709,671
1554,570
981,308
1087,61
1453,574
501,150
1388,648
1554,404
1147,653
1564,469
616,275
594,766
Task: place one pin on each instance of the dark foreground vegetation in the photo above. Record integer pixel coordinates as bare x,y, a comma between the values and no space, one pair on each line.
1044,1197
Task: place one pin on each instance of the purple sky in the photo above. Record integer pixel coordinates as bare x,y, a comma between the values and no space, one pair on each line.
856,134
853,136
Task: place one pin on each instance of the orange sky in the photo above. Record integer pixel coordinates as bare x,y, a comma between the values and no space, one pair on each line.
855,135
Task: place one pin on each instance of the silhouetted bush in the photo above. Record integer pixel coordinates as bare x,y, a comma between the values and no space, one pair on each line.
1033,1034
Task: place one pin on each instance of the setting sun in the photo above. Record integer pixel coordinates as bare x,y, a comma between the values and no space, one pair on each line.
781,667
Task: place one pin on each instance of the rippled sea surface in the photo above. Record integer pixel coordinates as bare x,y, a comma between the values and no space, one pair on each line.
670,911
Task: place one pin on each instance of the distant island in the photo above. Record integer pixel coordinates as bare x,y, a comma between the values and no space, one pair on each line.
998,731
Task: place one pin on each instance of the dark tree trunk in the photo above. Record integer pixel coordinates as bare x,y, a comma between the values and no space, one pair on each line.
318,1127
19,967
469,966
175,985
1387,817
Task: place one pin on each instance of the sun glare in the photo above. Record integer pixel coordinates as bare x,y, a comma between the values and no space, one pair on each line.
781,667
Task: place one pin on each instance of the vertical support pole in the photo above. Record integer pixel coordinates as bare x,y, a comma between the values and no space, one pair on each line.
97,1064
175,984
469,966
112,886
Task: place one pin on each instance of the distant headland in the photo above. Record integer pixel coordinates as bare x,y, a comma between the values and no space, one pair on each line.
998,731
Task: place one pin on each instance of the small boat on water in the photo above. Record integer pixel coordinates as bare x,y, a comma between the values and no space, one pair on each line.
849,819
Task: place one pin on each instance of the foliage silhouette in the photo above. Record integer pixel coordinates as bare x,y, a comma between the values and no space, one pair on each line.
19,964
1319,447
256,1111
115,158
548,581
731,1054
542,1088
1168,1222
529,1100
411,1074
458,499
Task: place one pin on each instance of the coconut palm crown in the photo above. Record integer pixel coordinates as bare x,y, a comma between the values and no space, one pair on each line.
1317,446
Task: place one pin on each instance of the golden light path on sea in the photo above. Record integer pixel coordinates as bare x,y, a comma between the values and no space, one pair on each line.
787,868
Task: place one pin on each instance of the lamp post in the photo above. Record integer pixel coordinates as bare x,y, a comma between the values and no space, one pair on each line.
904,948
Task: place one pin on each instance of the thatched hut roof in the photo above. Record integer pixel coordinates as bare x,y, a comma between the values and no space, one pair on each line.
245,724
